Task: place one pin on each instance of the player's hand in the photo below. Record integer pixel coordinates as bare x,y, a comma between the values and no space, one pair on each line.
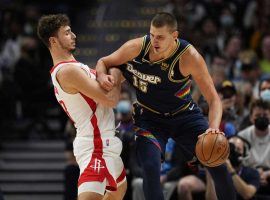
106,81
211,131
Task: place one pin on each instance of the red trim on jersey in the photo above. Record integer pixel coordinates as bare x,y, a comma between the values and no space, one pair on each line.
71,61
118,180
122,176
55,90
96,170
63,105
93,71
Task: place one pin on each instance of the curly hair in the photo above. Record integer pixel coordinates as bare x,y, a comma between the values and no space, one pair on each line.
48,26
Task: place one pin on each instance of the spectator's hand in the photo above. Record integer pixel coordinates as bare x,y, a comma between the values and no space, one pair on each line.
227,103
229,166
106,81
263,179
163,179
264,175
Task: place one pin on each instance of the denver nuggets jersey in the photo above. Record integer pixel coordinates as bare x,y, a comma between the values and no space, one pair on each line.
160,87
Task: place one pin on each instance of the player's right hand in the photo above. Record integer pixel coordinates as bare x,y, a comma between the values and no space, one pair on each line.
106,81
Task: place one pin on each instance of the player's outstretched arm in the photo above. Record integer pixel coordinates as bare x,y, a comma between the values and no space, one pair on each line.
74,79
125,53
193,64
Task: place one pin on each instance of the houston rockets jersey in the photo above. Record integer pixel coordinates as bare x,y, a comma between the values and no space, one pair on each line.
86,114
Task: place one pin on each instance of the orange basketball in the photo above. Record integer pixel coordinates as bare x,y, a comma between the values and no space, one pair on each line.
212,149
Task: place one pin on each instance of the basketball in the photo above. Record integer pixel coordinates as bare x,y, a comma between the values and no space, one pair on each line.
212,149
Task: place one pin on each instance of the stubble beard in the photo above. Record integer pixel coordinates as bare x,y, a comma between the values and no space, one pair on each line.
67,49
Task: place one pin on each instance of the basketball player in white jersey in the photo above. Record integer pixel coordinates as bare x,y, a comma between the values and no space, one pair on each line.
96,148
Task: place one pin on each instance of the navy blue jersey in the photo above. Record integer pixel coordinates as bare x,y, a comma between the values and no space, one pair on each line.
159,85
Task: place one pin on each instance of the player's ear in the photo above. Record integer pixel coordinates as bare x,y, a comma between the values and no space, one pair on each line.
175,34
52,40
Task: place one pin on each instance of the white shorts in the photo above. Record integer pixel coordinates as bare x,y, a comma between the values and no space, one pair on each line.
101,167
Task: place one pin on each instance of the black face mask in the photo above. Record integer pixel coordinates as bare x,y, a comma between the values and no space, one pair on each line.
261,123
235,157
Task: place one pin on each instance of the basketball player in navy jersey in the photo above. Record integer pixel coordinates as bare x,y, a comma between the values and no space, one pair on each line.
160,67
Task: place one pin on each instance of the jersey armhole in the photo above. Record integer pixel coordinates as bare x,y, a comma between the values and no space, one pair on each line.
58,83
179,58
144,44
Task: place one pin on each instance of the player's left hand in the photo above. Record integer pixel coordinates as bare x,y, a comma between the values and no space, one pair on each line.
211,131
106,81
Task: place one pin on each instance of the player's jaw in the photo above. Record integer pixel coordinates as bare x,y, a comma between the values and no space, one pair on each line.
68,44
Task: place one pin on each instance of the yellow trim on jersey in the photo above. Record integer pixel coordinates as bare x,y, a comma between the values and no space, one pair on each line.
157,112
152,110
159,61
184,108
146,50
143,44
173,64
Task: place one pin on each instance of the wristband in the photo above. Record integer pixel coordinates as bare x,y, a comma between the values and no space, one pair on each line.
233,173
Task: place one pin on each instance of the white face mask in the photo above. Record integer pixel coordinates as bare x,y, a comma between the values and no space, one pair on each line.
265,95
123,106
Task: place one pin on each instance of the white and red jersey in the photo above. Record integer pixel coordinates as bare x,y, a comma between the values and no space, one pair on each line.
81,108
96,148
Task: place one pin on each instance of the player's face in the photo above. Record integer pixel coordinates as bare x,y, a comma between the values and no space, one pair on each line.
162,38
66,38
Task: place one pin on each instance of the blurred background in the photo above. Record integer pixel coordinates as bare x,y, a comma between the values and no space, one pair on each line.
36,160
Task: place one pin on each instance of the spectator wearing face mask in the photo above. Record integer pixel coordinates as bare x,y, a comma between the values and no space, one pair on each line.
264,89
258,135
246,180
126,133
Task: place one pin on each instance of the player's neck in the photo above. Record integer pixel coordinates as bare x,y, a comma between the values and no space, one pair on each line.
62,56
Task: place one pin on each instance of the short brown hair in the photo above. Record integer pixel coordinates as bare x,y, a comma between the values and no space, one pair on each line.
164,19
258,103
48,26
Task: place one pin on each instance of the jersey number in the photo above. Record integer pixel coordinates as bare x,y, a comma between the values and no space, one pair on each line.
140,84
65,109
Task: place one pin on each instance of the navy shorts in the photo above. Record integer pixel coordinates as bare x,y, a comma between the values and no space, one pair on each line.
184,127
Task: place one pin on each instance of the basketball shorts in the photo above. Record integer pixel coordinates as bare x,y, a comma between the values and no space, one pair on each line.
184,128
101,167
